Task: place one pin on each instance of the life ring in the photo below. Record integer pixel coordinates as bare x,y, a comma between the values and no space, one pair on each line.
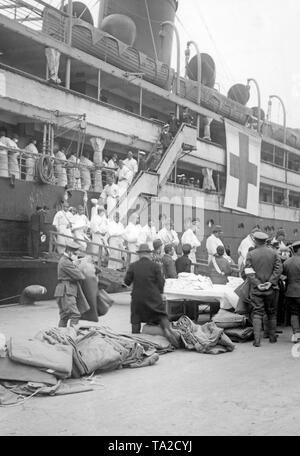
44,170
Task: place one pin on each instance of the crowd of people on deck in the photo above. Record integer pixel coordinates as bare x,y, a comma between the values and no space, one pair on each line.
69,170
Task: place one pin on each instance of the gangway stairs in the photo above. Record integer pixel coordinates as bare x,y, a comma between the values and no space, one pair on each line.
148,183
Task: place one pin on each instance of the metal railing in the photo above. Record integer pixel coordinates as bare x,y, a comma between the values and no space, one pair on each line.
48,169
29,13
103,251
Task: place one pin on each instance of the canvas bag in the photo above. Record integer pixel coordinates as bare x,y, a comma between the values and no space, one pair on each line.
104,302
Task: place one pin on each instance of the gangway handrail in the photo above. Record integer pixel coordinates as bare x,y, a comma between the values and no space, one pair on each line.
53,243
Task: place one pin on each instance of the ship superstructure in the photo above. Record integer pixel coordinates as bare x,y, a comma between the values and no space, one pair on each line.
108,87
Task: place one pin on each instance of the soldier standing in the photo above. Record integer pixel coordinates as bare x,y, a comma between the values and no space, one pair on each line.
263,268
66,289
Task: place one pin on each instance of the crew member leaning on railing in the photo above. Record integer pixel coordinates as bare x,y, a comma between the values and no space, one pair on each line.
30,160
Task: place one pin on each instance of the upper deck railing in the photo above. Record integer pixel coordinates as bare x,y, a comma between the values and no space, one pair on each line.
46,169
25,12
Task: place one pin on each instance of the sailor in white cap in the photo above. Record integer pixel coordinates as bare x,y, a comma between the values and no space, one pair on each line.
99,227
66,290
291,269
63,223
110,196
124,176
131,163
80,227
263,269
132,235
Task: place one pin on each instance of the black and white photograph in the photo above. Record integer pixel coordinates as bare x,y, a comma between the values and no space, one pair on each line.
149,221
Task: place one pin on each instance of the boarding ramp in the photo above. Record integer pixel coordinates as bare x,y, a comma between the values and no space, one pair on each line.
148,183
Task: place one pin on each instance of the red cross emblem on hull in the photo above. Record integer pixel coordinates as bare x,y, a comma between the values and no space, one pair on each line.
241,168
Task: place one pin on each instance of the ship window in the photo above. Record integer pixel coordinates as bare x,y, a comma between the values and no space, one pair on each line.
265,194
267,152
293,162
279,156
278,195
294,199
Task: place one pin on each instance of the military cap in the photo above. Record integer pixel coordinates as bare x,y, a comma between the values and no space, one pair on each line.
260,236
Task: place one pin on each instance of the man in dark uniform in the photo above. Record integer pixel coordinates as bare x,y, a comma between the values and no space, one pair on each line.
66,290
165,137
291,269
169,269
146,299
37,222
263,268
174,124
183,263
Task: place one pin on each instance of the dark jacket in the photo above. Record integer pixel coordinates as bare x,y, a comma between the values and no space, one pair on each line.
68,275
267,266
183,264
224,266
148,285
291,268
169,268
37,221
174,126
165,139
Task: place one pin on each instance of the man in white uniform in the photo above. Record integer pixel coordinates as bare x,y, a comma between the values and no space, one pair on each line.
132,235
167,235
110,196
63,223
213,241
113,162
4,140
85,172
189,237
131,164
124,177
60,162
115,235
80,227
244,247
13,165
31,159
150,233
74,180
99,227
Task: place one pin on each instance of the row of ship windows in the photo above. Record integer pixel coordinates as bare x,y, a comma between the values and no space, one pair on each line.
280,157
279,196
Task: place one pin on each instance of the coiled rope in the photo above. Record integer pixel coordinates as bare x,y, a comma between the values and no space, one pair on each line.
44,170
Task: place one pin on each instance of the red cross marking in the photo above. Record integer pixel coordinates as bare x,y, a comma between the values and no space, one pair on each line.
242,169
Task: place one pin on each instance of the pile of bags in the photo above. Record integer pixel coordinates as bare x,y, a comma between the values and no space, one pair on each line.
48,362
235,326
